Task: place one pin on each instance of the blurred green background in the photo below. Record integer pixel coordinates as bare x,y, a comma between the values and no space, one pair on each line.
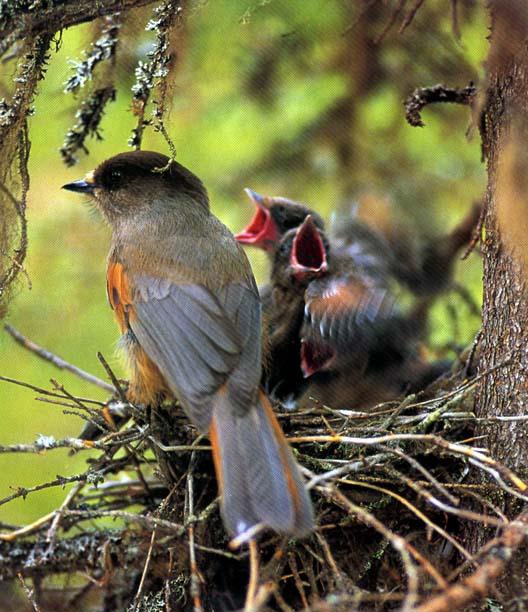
288,98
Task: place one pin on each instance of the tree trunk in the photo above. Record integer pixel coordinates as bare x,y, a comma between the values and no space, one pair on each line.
504,391
505,308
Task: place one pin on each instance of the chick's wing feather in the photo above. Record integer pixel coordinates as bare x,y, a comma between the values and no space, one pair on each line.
343,310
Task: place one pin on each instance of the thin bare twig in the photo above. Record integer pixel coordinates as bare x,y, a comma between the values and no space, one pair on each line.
60,481
408,19
458,449
477,586
137,598
423,96
52,531
250,605
30,593
404,548
57,361
196,579
45,443
19,23
117,387
150,522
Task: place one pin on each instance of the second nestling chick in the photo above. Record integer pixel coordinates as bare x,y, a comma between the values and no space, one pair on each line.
283,308
337,333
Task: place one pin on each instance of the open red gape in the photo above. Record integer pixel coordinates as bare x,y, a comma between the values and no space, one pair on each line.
315,356
261,231
308,256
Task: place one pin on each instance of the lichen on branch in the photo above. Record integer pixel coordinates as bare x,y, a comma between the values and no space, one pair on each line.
103,49
158,69
14,176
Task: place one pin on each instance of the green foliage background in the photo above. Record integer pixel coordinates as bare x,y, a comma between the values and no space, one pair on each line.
254,105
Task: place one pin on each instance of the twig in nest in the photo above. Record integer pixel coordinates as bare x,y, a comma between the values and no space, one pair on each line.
263,594
253,576
327,551
113,378
404,548
55,359
45,443
189,520
52,531
423,96
246,536
21,383
94,416
457,449
137,598
60,481
297,579
462,513
150,522
426,473
477,586
30,593
489,546
34,526
180,448
434,573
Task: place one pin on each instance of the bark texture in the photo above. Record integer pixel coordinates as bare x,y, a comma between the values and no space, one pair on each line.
505,308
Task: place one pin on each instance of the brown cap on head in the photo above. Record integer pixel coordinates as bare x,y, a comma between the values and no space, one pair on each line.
125,168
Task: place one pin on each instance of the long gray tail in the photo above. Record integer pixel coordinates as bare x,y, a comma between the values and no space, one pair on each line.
259,480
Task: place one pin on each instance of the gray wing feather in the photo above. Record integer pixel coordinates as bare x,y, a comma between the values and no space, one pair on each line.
243,306
196,338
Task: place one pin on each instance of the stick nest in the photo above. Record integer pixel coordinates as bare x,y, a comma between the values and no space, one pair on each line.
140,529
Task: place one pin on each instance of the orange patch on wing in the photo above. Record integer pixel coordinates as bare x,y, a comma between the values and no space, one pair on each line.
340,296
147,382
119,295
109,419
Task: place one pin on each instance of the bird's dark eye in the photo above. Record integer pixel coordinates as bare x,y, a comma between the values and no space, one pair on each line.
114,179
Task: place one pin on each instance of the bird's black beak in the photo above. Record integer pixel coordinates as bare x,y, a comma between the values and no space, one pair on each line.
81,186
